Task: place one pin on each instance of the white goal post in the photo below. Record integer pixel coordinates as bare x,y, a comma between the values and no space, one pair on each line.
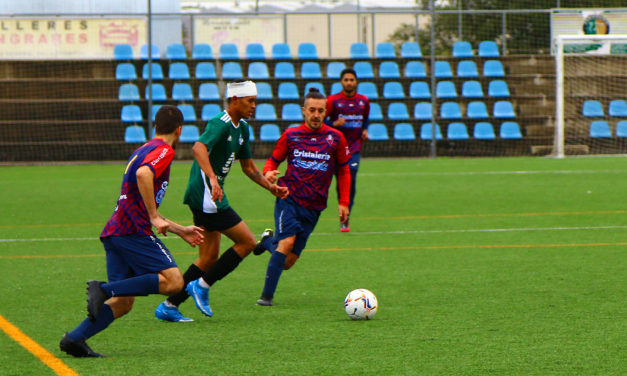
578,45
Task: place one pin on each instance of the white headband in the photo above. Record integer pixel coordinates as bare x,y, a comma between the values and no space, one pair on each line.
241,89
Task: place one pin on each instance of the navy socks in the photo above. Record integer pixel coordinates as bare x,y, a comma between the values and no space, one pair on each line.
273,273
137,286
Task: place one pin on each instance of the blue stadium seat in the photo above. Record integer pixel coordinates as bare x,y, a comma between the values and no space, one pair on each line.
155,109
202,51
128,92
281,51
510,130
258,71
131,113
415,69
307,51
288,91
158,92
317,85
389,69
472,89
467,69
592,108
423,111
368,89
493,68
385,50
411,50
457,131
189,114
420,90
294,125
182,92
363,70
251,133
484,131
269,132
232,71
255,51
359,51
378,132
398,111
284,71
450,110
621,128
445,89
123,52
443,69
393,90
208,91
125,72
336,87
264,91
462,49
498,89
189,133
265,112
176,51
375,112
488,48
143,52
209,111
310,71
178,71
334,69
134,134
618,108
426,131
503,109
600,129
477,110
205,71
404,131
157,72
291,112
229,51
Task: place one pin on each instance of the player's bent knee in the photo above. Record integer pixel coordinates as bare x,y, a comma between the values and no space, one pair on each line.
290,261
170,281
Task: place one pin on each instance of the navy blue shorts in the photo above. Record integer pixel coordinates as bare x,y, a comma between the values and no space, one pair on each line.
292,219
133,255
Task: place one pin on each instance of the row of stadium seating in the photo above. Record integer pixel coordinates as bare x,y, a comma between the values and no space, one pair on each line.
376,131
306,51
594,108
602,129
312,70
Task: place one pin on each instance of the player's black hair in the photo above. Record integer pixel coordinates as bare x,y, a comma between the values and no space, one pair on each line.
347,71
168,118
314,94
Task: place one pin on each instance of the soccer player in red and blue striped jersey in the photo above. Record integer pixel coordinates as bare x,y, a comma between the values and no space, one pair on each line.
314,151
349,113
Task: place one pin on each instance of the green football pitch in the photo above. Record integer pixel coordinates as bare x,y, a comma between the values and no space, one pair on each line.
508,266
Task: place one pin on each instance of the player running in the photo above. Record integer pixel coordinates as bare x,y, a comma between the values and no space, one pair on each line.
314,151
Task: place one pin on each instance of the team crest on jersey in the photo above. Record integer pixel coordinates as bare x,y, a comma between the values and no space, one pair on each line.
330,140
229,139
361,103
241,140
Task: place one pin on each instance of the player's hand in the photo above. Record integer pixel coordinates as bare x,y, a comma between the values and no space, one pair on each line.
278,191
272,175
192,235
161,225
216,190
364,135
339,122
343,209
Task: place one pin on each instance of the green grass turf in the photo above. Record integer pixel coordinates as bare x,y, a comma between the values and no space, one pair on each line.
509,266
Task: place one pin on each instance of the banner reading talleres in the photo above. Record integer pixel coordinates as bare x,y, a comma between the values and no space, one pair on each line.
68,38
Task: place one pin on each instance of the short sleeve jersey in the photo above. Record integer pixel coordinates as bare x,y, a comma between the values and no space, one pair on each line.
130,215
225,143
312,157
355,110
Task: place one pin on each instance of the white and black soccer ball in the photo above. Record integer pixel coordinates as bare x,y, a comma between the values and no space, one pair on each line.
361,304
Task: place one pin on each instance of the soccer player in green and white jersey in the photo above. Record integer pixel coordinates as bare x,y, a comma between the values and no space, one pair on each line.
225,139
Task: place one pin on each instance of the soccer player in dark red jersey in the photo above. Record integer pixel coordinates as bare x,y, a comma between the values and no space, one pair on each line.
138,263
349,113
314,151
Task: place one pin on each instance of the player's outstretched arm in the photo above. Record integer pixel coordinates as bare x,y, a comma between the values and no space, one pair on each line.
251,170
191,234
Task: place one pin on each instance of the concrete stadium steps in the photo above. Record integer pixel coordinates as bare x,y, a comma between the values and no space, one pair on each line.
71,109
61,131
61,69
48,88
